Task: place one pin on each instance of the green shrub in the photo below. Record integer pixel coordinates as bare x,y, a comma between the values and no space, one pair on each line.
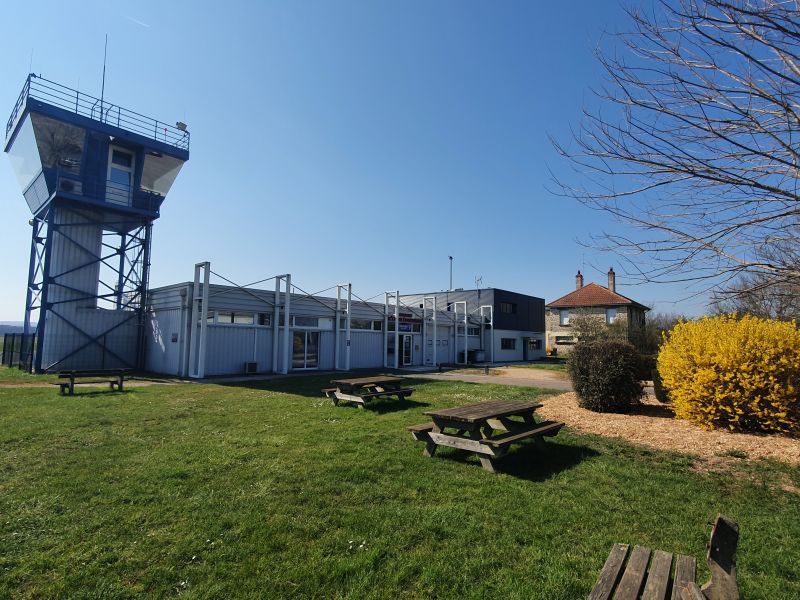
605,375
647,364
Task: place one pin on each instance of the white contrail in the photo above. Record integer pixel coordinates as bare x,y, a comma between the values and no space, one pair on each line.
137,21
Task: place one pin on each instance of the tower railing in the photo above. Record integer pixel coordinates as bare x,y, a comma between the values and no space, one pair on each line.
97,109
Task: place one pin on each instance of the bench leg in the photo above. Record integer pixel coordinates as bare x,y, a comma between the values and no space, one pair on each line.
486,462
430,449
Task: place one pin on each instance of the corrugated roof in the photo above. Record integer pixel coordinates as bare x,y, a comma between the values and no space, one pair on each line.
593,295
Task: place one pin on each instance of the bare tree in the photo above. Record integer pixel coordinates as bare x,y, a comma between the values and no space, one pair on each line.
757,295
698,142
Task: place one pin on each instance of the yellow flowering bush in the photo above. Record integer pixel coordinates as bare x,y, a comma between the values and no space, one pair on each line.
741,374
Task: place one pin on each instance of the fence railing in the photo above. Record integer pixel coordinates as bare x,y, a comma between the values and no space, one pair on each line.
97,109
18,350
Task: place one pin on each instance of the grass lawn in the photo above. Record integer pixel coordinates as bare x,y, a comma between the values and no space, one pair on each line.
268,490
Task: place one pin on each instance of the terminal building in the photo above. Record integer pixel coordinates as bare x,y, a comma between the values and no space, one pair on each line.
202,330
95,176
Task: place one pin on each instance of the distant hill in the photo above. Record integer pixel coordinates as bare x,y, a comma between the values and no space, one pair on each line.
11,327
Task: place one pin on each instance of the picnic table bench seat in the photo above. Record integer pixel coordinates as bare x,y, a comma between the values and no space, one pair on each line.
635,580
114,377
545,428
361,389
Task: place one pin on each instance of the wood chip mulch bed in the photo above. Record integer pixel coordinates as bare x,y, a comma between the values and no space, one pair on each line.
654,425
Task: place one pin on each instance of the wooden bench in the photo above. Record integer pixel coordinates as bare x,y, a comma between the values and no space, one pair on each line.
113,377
545,428
420,432
656,583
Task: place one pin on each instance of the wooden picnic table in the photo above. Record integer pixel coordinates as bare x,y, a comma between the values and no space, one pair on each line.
475,426
114,377
361,389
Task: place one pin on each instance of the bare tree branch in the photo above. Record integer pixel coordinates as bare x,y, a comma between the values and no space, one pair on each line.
701,153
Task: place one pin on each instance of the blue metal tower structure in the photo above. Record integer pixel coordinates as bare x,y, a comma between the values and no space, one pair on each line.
94,176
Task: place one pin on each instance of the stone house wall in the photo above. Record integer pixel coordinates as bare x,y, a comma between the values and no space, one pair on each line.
554,329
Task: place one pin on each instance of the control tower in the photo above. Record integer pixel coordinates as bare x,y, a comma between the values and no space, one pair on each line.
94,175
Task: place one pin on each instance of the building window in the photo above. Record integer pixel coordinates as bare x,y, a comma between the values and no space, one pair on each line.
565,339
510,308
535,344
210,317
264,319
360,324
473,331
563,317
228,317
508,343
611,315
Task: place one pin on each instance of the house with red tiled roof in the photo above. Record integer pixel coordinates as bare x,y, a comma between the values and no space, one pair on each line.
602,303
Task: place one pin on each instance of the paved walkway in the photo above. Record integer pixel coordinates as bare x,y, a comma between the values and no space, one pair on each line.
519,376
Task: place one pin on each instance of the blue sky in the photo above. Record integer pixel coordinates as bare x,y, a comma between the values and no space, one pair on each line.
343,141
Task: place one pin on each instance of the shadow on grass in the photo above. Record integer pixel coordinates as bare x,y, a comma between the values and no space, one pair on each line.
311,386
385,405
92,393
526,461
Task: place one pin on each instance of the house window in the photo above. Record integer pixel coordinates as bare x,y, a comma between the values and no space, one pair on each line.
508,343
509,308
473,331
611,315
535,344
264,319
563,317
565,339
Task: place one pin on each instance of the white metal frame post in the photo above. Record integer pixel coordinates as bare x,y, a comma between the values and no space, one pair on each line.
386,330
491,328
426,302
276,318
464,331
336,352
396,296
347,327
336,327
287,320
397,329
197,347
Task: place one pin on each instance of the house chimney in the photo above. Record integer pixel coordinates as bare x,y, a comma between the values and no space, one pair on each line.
612,280
578,281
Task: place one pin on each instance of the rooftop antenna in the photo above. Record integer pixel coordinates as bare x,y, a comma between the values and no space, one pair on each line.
478,281
451,273
30,65
103,85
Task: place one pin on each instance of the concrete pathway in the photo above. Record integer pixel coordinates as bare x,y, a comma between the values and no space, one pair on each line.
522,377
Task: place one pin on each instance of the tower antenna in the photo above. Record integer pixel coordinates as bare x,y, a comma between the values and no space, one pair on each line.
103,85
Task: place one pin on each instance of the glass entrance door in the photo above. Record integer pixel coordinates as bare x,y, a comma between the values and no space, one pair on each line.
407,346
305,349
119,185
